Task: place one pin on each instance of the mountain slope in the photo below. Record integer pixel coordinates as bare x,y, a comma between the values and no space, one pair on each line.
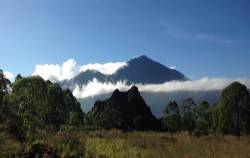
123,110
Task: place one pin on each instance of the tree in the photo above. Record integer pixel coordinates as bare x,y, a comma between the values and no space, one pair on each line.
235,109
57,110
215,112
203,121
30,93
4,85
73,109
187,111
172,118
5,111
18,77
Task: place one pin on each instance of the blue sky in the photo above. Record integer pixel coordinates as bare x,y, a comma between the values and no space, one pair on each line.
201,38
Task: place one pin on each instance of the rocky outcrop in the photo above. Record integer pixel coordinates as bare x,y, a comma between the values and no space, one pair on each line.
124,110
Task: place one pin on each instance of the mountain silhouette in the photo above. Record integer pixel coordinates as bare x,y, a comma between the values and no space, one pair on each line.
123,110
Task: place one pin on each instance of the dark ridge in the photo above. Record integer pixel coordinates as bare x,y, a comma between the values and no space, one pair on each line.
124,110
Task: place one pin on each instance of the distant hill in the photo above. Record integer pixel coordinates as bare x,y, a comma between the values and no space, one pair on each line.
138,70
123,110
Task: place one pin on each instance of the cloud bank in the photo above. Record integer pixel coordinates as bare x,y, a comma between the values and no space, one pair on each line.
95,87
70,69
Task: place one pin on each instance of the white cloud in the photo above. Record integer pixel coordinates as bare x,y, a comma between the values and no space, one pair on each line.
56,72
107,68
172,67
204,84
70,69
172,31
8,75
48,71
95,87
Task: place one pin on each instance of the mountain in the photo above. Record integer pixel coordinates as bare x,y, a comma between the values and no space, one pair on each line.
137,70
144,70
123,110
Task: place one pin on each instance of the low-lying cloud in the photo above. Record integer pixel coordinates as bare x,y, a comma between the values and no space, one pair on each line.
95,87
69,69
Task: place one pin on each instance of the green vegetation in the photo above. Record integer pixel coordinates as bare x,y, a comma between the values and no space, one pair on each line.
172,117
40,119
118,144
235,110
152,144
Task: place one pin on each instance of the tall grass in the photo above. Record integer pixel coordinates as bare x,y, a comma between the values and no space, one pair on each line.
118,144
159,145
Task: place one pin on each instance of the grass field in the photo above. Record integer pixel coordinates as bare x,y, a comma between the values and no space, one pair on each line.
163,145
118,144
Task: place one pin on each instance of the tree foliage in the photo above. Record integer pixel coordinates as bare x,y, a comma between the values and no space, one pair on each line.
4,85
39,103
235,109
172,118
188,115
203,120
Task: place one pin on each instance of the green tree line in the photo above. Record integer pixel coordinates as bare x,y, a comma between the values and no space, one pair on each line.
230,116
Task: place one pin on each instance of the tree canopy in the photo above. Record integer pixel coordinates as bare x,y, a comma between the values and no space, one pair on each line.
235,109
187,111
171,117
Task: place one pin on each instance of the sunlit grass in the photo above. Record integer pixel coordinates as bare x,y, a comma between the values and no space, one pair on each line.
152,144
118,144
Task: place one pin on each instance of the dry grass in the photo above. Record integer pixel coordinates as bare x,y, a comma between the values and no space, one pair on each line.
158,145
118,144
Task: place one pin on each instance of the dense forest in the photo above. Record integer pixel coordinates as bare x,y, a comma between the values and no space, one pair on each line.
32,108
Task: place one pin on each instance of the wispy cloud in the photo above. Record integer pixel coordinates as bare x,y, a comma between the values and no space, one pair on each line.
70,69
174,32
95,87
